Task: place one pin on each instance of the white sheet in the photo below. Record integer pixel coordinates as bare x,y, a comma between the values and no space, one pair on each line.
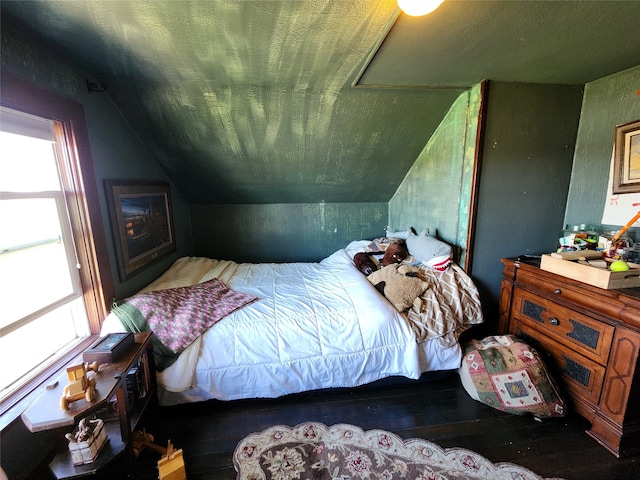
316,325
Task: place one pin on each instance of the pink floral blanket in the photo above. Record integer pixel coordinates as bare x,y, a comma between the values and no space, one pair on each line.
177,316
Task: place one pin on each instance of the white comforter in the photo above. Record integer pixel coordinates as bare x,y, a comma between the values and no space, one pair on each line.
315,325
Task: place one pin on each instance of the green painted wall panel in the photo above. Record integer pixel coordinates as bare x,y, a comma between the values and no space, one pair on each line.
299,232
469,167
608,102
435,193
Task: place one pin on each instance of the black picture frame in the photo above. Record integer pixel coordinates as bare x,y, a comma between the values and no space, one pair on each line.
141,223
626,160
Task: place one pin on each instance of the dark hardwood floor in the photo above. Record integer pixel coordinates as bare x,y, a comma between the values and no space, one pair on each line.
439,411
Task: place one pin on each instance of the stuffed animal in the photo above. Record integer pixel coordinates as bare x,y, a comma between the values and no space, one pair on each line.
396,252
430,251
400,284
365,263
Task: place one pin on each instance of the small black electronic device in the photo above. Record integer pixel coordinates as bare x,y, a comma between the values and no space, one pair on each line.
109,349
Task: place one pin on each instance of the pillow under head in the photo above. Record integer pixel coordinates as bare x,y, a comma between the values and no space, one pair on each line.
400,235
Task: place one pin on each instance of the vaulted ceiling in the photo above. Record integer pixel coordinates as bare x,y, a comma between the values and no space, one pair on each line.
283,101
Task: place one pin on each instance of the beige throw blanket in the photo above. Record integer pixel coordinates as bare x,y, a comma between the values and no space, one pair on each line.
450,304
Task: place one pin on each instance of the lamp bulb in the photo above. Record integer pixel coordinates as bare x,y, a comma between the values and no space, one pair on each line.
417,8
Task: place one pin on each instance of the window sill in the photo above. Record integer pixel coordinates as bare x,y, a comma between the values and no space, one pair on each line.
14,404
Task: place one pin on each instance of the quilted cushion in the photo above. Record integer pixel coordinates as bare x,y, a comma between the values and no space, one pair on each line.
509,375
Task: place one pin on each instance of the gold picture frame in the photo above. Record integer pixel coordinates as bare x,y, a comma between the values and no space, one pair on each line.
141,223
626,159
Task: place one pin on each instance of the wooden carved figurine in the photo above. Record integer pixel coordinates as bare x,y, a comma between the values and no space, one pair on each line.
141,440
80,386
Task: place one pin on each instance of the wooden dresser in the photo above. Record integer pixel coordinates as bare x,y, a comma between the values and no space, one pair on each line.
590,339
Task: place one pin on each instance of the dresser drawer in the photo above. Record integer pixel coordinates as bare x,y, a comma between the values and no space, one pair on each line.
603,302
579,332
579,377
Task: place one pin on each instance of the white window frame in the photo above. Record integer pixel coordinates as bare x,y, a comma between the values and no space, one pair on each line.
68,242
80,194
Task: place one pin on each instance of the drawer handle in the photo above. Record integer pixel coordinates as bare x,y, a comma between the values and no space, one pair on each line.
554,321
557,291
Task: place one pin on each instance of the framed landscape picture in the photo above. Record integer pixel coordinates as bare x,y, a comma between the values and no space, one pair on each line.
141,222
626,162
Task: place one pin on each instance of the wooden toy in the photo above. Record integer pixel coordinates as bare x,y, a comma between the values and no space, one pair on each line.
141,440
86,441
171,465
80,386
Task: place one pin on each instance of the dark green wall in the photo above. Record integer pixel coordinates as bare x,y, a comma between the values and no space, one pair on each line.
435,194
116,149
527,155
608,102
283,232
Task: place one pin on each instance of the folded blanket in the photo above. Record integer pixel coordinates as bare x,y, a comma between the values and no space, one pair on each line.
177,316
451,304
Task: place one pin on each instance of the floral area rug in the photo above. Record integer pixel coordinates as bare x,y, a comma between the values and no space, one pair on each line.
346,452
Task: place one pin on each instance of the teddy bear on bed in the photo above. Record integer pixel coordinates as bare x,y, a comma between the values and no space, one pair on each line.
400,284
365,263
396,252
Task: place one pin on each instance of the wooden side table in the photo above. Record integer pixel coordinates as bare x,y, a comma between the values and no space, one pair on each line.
118,400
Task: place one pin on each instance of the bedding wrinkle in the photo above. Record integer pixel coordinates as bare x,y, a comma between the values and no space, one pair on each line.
185,271
352,301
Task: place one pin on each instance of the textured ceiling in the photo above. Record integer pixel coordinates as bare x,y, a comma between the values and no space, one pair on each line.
463,42
253,101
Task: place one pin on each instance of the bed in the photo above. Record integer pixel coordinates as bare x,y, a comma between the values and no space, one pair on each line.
309,326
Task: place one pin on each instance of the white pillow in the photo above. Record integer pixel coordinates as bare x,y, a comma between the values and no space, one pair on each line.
432,252
401,235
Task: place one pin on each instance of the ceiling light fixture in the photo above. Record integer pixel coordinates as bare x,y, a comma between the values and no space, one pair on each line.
417,8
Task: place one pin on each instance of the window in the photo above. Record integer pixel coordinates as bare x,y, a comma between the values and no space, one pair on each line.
54,275
41,305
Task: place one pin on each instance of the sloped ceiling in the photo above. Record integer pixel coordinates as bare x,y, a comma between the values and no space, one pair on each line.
295,101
